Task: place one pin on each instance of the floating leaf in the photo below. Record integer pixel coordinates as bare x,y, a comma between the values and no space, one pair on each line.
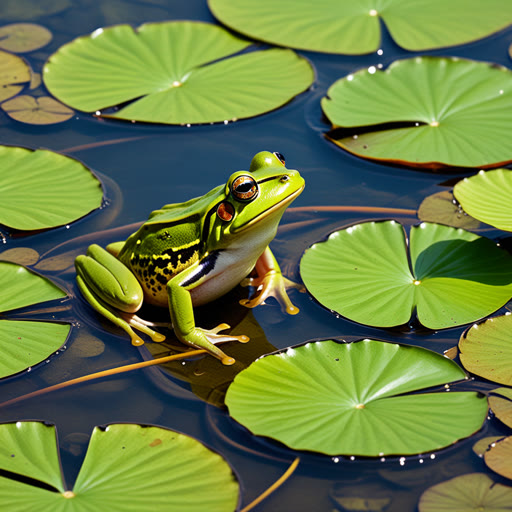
363,273
20,255
475,491
500,402
31,9
21,287
13,72
24,37
425,112
482,445
41,110
441,207
126,467
344,26
499,456
43,189
174,72
486,349
487,196
355,399
24,344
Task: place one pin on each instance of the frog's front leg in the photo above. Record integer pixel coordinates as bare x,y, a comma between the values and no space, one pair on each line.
270,282
182,314
113,291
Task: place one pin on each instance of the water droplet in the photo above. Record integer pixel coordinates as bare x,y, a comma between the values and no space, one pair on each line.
373,12
380,51
372,70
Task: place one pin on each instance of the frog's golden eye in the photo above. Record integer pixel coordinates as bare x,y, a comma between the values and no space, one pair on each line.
279,156
244,188
225,211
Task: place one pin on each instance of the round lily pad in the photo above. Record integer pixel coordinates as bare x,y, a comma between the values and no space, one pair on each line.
500,401
24,37
43,189
174,72
41,110
14,72
474,491
345,26
355,399
498,457
126,468
486,349
363,273
482,445
425,112
487,196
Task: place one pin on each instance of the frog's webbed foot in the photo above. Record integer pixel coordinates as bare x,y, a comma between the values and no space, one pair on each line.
142,326
271,284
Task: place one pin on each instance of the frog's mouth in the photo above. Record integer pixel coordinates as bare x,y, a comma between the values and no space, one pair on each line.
278,206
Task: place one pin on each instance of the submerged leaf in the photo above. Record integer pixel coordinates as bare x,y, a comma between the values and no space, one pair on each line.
487,196
41,110
475,491
486,349
499,456
425,112
24,37
363,273
174,72
500,401
355,399
442,208
345,26
126,467
14,72
482,445
45,189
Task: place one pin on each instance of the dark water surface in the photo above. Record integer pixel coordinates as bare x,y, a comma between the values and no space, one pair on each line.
144,167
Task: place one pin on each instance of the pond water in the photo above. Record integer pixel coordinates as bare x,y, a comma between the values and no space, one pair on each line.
146,166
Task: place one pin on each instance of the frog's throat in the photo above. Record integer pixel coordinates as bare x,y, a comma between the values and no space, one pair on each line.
280,205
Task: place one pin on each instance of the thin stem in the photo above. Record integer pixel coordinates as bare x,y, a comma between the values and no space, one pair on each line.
364,209
280,481
104,373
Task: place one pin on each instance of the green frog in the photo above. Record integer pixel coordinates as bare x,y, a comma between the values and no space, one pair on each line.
191,253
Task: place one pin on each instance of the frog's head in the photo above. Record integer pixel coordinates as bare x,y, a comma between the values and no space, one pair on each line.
258,197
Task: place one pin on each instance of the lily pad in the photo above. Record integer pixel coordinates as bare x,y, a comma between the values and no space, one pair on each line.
499,456
486,349
500,401
174,72
363,273
355,399
14,72
24,37
22,287
344,26
443,208
126,467
41,110
425,112
487,196
482,445
474,491
43,189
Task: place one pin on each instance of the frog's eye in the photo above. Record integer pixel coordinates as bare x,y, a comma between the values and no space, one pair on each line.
244,188
225,211
279,156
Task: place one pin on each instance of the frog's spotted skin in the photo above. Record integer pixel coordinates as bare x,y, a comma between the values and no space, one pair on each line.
194,252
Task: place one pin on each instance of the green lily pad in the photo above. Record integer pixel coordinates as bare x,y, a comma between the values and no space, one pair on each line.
43,189
24,37
174,72
487,196
344,26
126,468
474,491
425,112
363,273
498,457
486,349
24,344
22,287
14,72
41,110
355,399
500,401
442,208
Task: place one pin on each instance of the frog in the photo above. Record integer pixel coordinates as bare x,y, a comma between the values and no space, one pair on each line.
192,253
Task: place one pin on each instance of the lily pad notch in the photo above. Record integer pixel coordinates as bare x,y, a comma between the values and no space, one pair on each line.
178,72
